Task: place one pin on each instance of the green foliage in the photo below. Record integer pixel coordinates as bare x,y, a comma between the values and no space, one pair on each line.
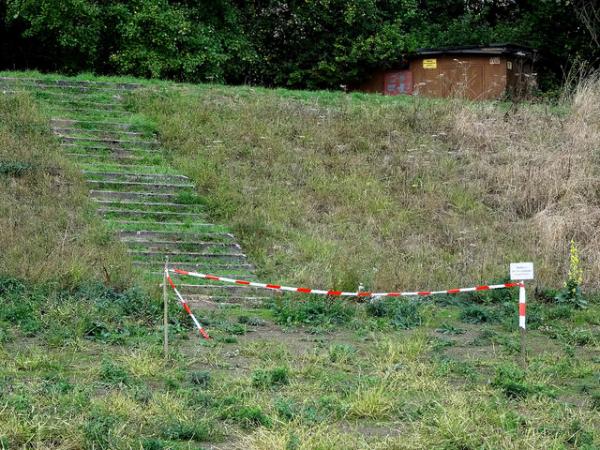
200,378
479,314
186,431
114,373
571,292
14,168
512,381
271,378
314,43
313,311
249,417
404,313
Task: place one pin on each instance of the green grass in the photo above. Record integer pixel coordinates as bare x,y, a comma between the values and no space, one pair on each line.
81,363
332,190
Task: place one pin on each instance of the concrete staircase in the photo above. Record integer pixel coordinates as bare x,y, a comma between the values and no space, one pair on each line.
151,208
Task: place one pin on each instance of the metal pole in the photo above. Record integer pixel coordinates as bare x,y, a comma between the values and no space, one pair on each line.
522,321
166,310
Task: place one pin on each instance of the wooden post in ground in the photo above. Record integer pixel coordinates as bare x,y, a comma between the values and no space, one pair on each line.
166,310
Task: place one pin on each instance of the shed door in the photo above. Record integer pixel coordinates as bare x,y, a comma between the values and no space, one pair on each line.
397,83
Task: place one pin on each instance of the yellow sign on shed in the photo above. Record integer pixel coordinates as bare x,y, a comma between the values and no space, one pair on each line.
430,63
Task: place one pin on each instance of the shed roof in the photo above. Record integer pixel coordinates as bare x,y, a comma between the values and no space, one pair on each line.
491,49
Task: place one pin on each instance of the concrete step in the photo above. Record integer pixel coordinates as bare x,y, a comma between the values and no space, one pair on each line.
108,150
171,236
190,257
204,301
134,176
65,112
60,122
67,131
97,105
135,185
136,196
108,158
126,168
200,266
183,246
223,290
179,226
147,205
104,85
119,142
158,216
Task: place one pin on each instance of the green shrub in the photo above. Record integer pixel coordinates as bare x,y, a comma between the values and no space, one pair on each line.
313,311
249,417
276,377
187,431
479,314
14,168
404,313
98,430
341,353
200,378
511,380
5,334
113,373
559,312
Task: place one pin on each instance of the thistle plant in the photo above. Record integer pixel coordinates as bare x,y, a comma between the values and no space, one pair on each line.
571,291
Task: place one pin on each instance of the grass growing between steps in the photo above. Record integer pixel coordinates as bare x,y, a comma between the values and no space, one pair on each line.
332,190
49,228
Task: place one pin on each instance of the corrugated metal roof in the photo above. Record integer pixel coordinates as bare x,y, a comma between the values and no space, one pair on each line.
491,49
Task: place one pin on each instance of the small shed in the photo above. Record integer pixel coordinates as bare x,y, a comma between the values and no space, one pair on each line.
474,72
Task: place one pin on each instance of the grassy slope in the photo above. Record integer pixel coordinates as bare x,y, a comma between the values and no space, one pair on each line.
82,368
49,231
332,189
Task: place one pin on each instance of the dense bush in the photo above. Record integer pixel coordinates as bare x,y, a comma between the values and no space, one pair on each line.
311,43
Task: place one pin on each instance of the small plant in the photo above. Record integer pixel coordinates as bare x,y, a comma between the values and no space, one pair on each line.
186,431
113,373
250,417
270,378
14,168
341,353
404,313
478,314
447,328
313,311
200,378
511,380
571,292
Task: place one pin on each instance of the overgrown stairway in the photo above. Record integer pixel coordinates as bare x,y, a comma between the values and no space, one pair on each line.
152,209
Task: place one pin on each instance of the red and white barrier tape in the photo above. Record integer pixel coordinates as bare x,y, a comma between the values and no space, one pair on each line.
301,290
186,306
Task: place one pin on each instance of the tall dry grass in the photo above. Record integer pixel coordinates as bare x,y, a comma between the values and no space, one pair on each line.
539,169
329,189
48,229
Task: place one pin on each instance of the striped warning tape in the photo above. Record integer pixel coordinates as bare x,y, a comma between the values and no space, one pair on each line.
186,306
277,287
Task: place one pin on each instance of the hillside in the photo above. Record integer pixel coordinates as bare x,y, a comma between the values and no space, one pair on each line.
395,193
323,189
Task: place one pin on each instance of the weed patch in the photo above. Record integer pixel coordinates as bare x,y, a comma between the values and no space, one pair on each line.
403,313
313,311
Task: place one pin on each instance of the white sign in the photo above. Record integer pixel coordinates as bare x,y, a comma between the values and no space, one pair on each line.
521,271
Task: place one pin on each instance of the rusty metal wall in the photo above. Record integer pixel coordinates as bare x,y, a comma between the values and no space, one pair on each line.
475,77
